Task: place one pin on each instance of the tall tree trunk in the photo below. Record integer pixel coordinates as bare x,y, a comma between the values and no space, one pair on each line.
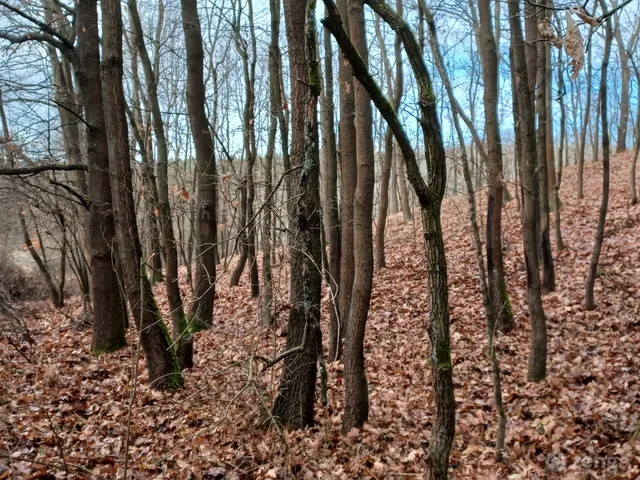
495,262
201,311
430,196
184,341
589,300
585,125
349,178
561,153
162,364
633,194
294,404
109,312
267,243
395,90
331,185
525,120
355,379
623,55
548,272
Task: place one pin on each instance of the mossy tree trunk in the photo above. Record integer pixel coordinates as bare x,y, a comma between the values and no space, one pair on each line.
162,364
430,194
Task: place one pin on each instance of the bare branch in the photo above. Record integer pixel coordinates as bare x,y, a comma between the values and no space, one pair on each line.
42,168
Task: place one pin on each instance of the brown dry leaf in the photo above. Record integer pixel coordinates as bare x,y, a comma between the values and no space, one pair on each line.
584,16
574,46
548,33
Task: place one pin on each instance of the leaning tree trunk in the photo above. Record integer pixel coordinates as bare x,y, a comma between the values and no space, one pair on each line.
201,311
430,196
294,403
589,300
109,311
162,364
184,342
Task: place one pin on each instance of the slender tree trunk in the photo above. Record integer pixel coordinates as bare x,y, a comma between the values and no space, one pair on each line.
548,272
184,341
525,119
294,403
585,125
602,217
331,183
267,243
356,388
430,196
42,266
495,262
623,55
162,364
349,176
109,312
395,90
561,153
201,311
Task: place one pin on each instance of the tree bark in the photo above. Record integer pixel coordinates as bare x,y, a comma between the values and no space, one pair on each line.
430,196
201,312
331,186
548,272
525,120
349,178
184,341
109,311
162,365
495,262
355,379
294,404
602,217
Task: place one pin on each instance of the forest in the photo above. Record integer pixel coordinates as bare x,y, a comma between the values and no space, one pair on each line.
337,239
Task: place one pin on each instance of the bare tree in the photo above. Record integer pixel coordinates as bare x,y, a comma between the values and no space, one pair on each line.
589,300
294,403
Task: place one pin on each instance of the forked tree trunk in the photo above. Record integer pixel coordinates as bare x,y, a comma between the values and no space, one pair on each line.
109,312
589,300
162,364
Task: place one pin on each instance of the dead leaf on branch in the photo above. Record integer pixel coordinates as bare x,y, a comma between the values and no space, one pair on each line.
584,16
574,46
548,33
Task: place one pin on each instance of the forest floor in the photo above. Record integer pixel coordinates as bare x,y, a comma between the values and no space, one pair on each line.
579,423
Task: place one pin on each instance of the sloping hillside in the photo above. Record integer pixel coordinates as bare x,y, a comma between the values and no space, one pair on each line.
577,424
